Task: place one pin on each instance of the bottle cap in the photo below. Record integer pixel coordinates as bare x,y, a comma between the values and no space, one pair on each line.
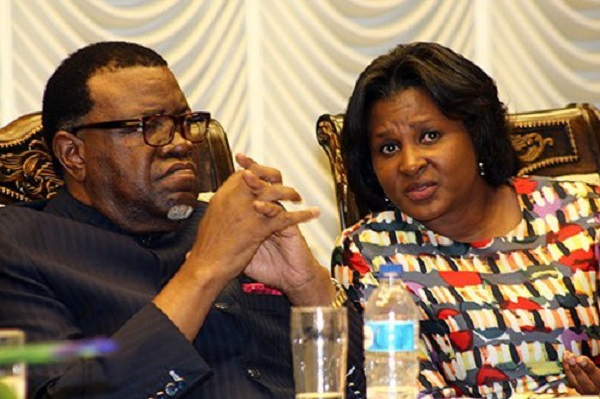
390,269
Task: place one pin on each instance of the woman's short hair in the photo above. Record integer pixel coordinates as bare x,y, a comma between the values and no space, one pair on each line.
459,88
67,97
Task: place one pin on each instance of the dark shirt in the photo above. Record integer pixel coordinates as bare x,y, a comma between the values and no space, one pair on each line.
67,272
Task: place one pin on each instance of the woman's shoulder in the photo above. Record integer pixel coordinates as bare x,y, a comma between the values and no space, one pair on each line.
563,186
384,220
381,228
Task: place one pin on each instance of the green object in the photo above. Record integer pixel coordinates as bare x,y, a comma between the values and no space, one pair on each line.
31,353
50,352
6,392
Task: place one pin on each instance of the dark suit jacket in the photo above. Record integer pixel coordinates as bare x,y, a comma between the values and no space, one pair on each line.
66,272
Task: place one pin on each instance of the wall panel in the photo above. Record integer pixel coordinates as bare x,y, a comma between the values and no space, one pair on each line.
268,68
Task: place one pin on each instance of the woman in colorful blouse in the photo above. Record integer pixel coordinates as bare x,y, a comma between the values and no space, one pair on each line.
504,269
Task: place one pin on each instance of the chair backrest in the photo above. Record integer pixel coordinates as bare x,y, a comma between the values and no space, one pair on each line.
27,173
554,142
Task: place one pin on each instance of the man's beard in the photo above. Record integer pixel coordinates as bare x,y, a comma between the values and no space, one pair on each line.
179,212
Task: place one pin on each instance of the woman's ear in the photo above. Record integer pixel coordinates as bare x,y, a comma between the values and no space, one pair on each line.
70,151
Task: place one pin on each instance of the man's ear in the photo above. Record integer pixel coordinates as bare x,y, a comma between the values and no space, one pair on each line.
70,151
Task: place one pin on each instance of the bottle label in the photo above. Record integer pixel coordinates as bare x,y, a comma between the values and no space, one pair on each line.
386,336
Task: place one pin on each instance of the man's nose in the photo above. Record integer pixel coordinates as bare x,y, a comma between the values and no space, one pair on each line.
178,134
179,146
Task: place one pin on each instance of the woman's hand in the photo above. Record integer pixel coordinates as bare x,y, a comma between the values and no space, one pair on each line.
582,374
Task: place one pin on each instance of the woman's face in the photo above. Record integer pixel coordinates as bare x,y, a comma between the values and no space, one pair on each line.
425,162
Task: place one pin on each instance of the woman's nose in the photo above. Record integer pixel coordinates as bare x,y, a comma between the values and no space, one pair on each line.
412,162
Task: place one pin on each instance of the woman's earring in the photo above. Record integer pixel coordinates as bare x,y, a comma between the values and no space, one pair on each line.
481,168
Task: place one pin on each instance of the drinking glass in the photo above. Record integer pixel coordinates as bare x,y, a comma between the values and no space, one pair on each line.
319,346
12,376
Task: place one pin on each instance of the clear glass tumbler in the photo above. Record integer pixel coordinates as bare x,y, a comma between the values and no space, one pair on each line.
13,381
320,346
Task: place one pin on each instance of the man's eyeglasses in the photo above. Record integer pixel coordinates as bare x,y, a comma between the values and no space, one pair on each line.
159,130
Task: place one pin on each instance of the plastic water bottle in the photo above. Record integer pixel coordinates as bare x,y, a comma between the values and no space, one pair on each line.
391,338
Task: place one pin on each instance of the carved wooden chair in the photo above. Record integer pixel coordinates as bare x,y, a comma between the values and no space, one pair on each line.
555,142
27,173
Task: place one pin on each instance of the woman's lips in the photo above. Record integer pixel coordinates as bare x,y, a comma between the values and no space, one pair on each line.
420,191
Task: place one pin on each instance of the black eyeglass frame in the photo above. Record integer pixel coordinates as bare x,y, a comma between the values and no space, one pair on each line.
140,124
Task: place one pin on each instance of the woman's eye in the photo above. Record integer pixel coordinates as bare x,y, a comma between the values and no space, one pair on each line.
389,148
430,136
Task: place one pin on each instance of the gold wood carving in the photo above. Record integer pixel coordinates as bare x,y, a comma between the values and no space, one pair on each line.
29,175
530,146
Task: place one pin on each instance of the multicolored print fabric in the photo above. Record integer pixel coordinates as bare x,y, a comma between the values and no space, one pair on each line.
497,315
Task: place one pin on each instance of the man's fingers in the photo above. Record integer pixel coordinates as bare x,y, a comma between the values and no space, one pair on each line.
243,160
254,182
279,193
280,218
268,209
295,217
267,192
265,173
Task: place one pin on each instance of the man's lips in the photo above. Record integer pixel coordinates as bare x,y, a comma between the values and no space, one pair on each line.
181,168
420,191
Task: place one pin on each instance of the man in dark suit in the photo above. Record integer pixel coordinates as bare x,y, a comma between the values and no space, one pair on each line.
195,297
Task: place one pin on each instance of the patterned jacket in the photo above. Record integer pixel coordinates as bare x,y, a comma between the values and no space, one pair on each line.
497,315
